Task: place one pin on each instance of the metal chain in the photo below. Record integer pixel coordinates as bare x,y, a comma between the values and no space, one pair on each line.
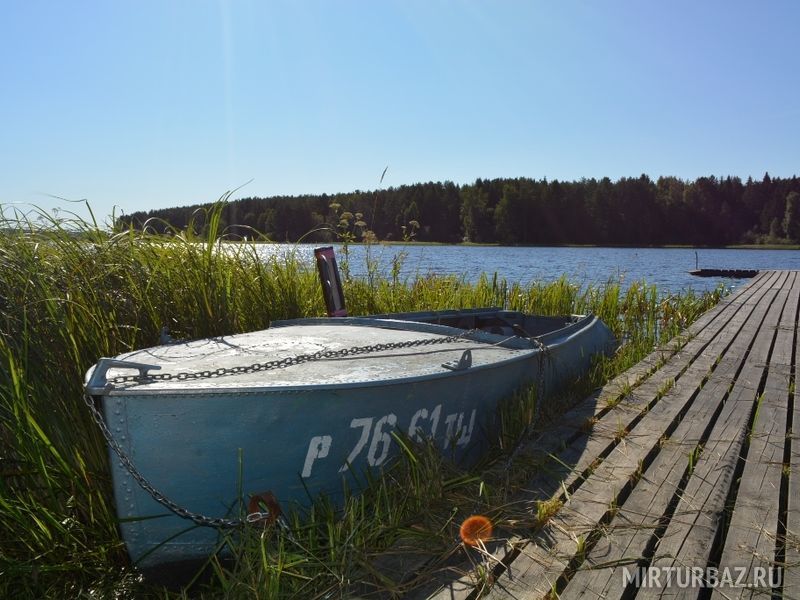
146,485
282,363
222,523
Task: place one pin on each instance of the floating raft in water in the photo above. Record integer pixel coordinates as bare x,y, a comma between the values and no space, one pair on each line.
732,273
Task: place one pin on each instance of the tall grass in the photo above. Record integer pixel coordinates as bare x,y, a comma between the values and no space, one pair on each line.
71,291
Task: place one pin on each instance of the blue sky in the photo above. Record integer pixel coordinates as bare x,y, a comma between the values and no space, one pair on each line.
151,104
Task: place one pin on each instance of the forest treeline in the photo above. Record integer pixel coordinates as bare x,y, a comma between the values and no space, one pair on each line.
629,211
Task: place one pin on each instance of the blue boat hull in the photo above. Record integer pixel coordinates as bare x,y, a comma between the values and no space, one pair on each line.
211,450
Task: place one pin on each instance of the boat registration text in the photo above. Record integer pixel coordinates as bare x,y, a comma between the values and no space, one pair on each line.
374,436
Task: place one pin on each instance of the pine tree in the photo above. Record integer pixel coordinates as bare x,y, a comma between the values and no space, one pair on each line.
791,217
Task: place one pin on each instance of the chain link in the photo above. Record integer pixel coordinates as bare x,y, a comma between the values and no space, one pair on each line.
282,363
221,523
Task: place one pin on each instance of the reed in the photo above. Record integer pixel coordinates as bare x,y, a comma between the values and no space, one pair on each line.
72,291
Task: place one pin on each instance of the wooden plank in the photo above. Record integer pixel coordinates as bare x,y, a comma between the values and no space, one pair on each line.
791,571
537,569
698,334
753,530
632,529
594,443
646,499
703,331
690,535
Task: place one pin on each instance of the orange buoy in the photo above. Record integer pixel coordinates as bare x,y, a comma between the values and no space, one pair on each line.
475,530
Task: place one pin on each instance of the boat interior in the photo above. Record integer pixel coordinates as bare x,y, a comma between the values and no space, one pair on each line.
491,320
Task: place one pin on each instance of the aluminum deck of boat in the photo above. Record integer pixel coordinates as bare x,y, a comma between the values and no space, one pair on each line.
298,340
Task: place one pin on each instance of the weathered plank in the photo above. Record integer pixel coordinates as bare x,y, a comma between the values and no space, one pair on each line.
705,330
626,538
538,568
753,530
791,571
597,441
724,340
689,538
633,528
643,382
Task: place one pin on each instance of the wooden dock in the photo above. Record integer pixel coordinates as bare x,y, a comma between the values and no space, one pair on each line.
687,471
731,273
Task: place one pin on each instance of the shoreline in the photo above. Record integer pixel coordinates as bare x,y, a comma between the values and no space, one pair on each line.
498,245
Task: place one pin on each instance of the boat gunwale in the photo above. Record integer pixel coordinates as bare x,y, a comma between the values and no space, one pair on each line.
563,335
140,390
386,322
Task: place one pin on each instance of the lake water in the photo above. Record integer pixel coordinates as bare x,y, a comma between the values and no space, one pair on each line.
666,267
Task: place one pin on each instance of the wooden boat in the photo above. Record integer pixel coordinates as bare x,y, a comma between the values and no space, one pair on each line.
201,431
